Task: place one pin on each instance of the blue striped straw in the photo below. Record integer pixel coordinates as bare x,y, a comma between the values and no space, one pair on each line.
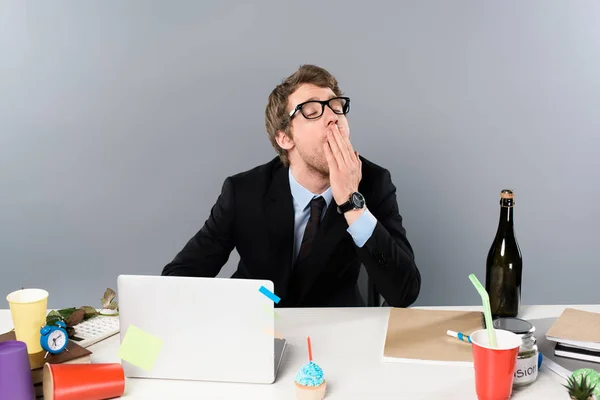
459,336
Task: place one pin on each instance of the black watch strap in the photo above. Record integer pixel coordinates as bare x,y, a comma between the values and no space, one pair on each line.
347,206
355,202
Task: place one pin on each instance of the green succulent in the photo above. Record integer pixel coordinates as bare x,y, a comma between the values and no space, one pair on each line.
580,389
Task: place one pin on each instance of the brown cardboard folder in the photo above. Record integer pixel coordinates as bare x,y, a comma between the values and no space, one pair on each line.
419,336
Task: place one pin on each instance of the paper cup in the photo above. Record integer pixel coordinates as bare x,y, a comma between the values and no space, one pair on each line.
28,309
494,368
15,374
83,381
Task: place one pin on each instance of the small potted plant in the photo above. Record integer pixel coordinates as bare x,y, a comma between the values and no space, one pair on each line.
583,385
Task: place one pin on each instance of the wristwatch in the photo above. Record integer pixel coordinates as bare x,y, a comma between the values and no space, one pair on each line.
355,202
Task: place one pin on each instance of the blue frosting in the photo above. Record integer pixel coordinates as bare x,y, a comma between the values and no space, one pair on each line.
310,375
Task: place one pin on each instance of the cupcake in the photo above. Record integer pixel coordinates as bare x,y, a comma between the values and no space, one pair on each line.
310,383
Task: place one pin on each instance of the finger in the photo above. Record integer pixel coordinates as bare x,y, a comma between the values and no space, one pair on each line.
349,144
329,156
346,155
335,149
343,130
346,138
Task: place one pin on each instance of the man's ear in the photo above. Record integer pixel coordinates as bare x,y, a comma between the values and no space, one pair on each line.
284,141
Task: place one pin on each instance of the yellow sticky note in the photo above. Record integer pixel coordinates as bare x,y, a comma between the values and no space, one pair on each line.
140,348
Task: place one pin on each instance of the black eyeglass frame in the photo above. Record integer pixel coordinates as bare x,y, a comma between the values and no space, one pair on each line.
323,103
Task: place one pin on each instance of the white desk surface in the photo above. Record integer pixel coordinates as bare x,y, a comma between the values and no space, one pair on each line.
347,343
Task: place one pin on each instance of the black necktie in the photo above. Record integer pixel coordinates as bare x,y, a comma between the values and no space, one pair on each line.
316,209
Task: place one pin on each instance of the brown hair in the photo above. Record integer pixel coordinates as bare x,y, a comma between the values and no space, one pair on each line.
276,115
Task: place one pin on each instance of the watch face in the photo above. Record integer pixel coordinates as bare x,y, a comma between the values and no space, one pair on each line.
56,340
358,201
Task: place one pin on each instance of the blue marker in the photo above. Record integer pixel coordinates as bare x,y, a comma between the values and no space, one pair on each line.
459,336
272,296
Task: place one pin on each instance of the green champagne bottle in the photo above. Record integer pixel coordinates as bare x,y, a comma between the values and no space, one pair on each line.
504,266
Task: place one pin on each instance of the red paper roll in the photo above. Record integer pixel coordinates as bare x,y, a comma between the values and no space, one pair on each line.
83,381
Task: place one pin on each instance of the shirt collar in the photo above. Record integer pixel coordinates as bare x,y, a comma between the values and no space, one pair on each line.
303,196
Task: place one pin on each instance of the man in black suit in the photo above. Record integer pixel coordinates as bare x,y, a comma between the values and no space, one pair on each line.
309,218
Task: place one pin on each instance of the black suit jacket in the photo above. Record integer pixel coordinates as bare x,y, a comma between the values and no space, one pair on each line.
254,213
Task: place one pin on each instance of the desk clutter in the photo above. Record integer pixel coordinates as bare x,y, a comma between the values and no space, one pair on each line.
577,335
75,355
51,361
54,362
431,337
455,338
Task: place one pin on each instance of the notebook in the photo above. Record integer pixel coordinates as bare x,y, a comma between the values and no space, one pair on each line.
562,366
577,353
419,336
576,328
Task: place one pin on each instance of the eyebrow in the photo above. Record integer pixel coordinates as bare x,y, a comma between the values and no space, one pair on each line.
316,98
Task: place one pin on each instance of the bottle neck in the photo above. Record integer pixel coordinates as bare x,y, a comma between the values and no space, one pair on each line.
505,225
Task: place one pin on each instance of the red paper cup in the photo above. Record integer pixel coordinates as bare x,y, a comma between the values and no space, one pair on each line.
494,368
83,381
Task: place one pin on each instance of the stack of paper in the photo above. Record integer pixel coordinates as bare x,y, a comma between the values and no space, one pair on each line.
577,335
562,366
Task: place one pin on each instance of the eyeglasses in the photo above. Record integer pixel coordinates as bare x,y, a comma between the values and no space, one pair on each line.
313,109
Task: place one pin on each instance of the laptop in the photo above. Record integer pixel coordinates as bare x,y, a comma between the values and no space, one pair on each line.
212,329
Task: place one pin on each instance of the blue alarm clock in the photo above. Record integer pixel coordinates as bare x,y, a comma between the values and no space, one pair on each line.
54,339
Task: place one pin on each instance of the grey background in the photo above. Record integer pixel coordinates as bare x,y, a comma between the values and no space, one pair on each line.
119,121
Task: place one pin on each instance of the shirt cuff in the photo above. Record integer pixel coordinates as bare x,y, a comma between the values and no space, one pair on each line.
362,229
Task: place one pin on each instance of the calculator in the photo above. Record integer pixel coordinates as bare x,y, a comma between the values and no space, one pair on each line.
96,329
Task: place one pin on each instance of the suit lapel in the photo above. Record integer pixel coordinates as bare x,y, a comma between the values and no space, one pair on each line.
328,236
279,210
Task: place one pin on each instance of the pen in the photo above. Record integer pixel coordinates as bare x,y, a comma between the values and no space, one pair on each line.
459,336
